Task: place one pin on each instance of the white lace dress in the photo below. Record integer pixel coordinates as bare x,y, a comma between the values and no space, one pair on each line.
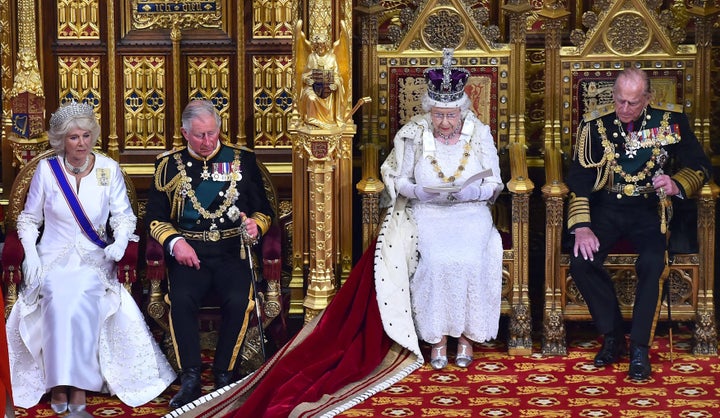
84,330
455,289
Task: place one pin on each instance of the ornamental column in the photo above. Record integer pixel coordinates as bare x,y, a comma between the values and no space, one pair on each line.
322,129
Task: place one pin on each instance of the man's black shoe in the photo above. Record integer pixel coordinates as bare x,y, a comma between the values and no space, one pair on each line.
639,363
612,349
189,388
223,378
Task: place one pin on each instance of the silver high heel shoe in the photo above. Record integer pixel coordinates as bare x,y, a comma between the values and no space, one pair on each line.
463,359
76,408
438,361
59,408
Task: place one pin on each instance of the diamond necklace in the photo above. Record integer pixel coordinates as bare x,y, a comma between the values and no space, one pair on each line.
77,170
445,139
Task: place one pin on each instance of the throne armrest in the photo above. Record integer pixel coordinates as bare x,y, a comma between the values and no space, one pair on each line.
155,259
271,253
12,257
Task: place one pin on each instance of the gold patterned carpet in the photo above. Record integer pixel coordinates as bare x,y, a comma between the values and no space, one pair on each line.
499,385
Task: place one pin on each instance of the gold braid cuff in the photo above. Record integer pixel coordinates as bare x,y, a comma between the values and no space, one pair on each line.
690,180
578,211
263,221
161,231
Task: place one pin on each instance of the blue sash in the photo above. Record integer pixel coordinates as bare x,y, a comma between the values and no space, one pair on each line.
74,203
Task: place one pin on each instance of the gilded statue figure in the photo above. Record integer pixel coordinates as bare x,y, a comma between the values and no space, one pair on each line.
322,78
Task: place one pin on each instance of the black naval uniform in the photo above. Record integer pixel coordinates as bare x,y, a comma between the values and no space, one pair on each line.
213,230
613,195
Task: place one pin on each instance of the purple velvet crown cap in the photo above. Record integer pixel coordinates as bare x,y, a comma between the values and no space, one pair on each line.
446,84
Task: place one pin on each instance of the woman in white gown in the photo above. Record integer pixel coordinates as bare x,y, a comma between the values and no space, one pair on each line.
74,327
455,287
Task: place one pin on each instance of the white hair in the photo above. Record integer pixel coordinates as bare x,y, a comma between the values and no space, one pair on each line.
463,103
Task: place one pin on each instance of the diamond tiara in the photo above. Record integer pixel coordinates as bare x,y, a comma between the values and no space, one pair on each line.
69,111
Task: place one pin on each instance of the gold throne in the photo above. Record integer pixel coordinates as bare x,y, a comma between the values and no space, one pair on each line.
495,88
628,33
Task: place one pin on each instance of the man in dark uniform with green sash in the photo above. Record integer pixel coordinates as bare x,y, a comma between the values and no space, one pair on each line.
626,162
206,201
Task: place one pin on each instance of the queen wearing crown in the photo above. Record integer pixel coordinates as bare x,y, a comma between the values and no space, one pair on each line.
74,327
444,173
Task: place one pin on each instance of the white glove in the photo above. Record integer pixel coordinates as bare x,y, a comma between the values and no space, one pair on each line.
116,250
422,195
32,268
474,192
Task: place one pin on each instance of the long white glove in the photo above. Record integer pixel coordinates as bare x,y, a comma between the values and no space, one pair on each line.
32,268
116,250
474,192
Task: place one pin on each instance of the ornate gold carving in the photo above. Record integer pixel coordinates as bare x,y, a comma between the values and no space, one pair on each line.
323,93
209,77
144,102
79,79
272,100
554,334
444,29
322,17
27,72
170,13
627,34
272,19
520,341
78,19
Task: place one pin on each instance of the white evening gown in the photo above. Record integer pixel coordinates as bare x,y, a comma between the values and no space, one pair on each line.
84,330
456,288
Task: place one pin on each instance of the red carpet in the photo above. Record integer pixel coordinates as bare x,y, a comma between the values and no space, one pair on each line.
497,385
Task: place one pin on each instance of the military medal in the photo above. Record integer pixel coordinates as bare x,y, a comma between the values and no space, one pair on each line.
632,145
221,171
205,173
233,213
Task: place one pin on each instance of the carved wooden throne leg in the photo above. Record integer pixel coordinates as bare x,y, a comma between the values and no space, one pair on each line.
554,343
705,333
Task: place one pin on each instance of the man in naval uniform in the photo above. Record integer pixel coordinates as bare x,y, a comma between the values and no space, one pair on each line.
628,161
206,203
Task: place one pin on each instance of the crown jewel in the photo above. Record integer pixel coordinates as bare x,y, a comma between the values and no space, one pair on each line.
446,84
70,111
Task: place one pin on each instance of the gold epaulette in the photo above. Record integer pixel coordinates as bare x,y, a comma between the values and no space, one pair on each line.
237,146
169,152
599,111
670,107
